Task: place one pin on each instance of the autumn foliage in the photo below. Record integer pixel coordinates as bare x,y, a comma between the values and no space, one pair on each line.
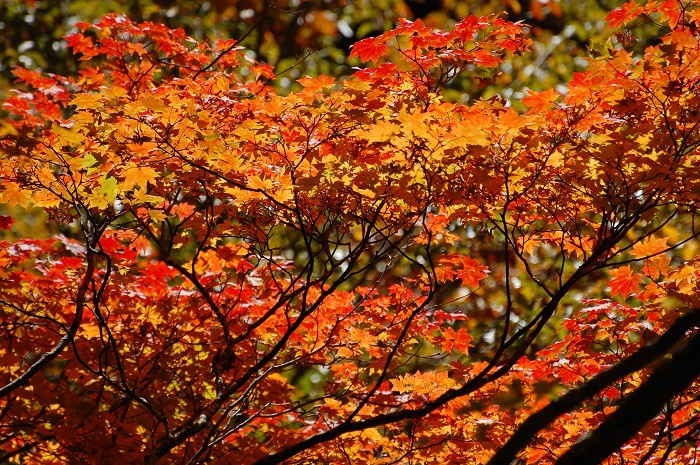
360,271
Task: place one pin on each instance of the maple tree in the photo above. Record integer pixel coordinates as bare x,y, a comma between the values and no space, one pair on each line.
360,271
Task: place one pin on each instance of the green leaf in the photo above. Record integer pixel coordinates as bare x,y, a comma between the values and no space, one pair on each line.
110,188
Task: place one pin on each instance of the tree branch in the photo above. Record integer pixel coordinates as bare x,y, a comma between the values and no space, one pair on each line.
643,357
24,378
638,407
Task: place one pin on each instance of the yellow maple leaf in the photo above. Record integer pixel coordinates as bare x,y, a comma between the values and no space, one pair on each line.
470,131
399,385
381,132
86,101
414,123
46,199
371,434
138,176
685,279
527,244
13,195
283,195
157,215
256,182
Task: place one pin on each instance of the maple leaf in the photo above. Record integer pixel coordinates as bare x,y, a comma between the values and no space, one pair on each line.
80,43
381,132
13,194
316,84
649,247
485,58
369,49
528,244
257,183
110,188
539,101
656,266
138,176
655,263
670,12
400,385
86,101
460,340
384,70
536,455
625,281
623,15
6,222
183,210
414,123
159,270
461,267
471,272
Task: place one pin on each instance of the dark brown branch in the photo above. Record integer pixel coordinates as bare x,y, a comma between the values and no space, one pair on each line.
638,407
572,399
482,379
24,378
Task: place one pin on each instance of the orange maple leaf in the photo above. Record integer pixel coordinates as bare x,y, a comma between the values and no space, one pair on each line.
460,340
625,281
650,247
471,272
316,84
538,101
656,262
657,266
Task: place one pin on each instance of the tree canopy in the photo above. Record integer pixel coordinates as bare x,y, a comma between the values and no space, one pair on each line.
310,37
365,270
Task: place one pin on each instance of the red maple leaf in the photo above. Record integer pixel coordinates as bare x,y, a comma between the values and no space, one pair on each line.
623,15
370,49
6,222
